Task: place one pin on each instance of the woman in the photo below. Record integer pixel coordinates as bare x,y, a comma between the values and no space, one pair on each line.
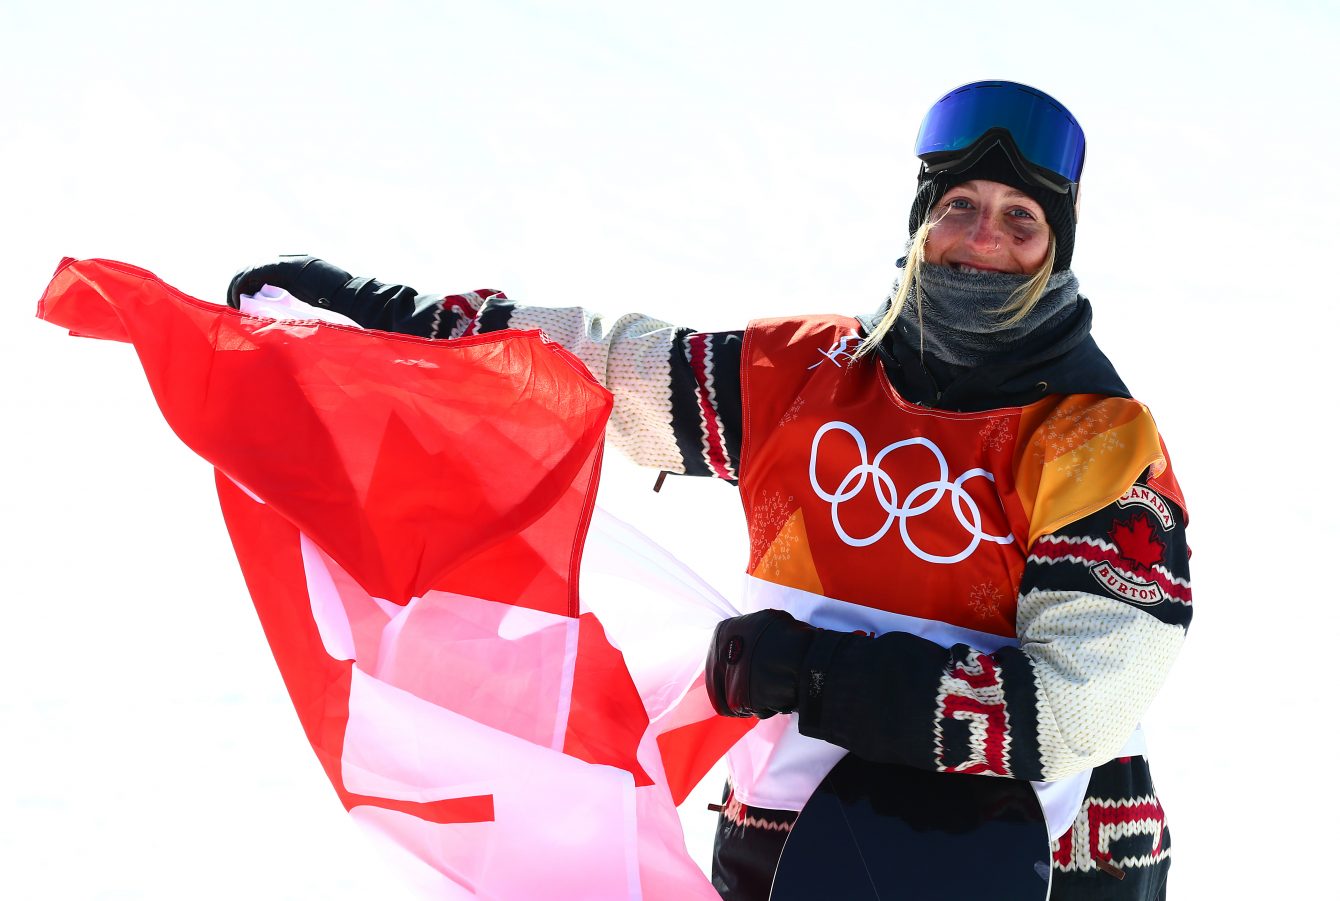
967,545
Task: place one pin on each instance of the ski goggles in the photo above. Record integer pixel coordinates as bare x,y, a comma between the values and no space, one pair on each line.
1045,141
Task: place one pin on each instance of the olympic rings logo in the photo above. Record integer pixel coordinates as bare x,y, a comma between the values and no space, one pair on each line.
919,500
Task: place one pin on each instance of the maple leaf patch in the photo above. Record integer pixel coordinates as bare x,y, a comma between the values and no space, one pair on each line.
1137,542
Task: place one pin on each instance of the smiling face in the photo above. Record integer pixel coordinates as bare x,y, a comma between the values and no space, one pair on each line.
986,225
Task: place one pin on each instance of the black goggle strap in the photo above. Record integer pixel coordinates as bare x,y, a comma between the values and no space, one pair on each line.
952,163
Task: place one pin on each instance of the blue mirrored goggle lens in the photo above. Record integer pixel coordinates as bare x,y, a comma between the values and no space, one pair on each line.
1044,132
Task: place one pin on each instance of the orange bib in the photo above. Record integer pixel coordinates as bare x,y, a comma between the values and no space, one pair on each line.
853,493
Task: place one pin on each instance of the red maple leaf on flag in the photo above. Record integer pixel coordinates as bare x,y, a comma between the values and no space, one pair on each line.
1136,542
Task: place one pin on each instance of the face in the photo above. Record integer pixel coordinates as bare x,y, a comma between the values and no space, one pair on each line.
987,225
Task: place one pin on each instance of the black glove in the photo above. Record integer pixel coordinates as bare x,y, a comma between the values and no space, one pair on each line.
310,280
755,662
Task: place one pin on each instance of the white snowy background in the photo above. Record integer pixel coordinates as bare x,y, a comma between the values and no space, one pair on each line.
706,162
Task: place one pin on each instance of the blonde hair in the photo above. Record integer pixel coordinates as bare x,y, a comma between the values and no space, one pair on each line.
1022,300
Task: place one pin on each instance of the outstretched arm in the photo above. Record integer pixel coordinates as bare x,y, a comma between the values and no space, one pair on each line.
676,391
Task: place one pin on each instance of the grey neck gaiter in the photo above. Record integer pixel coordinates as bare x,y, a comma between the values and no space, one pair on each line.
955,320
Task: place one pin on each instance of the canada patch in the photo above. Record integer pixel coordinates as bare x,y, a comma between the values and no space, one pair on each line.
1131,576
1147,498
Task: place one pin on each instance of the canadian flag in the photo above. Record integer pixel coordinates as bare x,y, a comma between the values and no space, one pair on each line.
414,519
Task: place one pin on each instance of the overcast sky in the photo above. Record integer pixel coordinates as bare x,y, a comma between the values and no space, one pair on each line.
705,162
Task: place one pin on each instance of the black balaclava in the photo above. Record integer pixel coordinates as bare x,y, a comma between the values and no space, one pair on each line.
995,165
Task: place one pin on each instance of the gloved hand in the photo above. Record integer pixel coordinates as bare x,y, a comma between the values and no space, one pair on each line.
309,279
754,663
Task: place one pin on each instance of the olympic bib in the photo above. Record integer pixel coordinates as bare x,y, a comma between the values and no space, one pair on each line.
854,494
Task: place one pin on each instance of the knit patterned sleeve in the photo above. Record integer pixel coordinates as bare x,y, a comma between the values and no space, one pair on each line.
676,391
1104,606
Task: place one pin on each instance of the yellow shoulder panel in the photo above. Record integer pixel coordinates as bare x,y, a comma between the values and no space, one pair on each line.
1079,453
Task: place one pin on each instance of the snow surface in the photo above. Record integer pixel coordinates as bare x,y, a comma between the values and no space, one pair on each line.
705,162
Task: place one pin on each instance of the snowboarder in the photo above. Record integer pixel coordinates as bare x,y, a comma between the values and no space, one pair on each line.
967,546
